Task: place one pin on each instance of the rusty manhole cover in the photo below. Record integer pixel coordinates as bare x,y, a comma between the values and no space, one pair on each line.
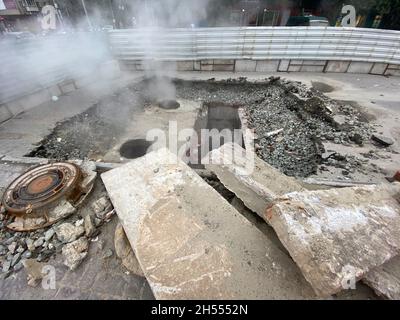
41,186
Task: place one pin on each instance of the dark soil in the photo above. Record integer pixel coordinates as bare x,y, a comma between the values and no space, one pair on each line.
91,134
83,136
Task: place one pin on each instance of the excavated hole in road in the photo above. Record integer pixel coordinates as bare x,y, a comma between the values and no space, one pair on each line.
222,122
300,115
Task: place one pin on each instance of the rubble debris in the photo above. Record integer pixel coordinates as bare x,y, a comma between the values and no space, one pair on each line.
67,232
385,141
385,279
90,228
331,232
101,207
184,250
74,252
108,254
89,175
124,251
256,186
34,271
49,234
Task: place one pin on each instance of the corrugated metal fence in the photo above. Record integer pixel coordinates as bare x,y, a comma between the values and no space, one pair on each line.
257,43
29,65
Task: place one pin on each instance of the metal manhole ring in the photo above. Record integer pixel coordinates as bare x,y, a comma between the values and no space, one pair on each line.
40,186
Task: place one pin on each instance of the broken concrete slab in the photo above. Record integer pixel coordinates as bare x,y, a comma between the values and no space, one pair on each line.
254,181
331,233
189,248
385,279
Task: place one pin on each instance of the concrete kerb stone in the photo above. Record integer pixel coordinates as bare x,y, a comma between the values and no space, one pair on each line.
252,180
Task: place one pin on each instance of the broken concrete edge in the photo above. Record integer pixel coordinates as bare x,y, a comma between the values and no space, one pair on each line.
251,179
307,228
248,134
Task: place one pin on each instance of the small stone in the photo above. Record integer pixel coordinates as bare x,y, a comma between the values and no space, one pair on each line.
156,170
385,141
108,253
12,247
15,259
49,234
6,266
33,269
39,242
18,266
327,155
90,229
357,138
27,255
20,249
97,222
3,250
30,245
67,232
101,207
79,222
75,252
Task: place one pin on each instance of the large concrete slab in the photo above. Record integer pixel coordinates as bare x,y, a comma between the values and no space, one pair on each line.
190,242
330,233
254,181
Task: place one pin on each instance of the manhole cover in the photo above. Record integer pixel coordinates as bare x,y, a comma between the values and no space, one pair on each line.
41,186
169,104
136,148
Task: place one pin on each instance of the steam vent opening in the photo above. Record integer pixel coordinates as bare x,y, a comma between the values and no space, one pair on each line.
136,148
169,104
